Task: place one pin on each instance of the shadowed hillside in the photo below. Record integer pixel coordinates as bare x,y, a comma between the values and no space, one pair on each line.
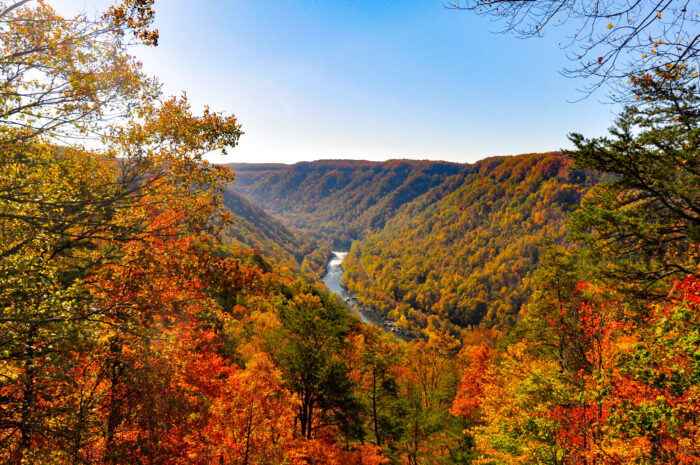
342,199
253,228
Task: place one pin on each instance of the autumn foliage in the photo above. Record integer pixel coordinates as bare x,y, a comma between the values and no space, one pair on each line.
139,324
630,395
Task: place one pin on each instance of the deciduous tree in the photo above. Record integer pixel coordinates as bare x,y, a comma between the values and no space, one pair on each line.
609,40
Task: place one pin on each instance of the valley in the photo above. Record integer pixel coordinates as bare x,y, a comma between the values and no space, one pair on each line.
430,243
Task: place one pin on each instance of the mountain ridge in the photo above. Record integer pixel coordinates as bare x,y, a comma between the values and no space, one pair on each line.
341,200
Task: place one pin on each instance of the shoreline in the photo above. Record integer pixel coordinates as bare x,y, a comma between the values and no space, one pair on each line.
333,279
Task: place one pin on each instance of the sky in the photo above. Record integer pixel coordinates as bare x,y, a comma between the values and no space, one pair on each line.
367,79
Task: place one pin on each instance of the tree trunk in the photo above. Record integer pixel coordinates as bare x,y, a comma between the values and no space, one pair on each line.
247,438
374,407
28,397
114,416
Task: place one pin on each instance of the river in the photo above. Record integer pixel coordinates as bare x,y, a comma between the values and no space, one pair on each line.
333,279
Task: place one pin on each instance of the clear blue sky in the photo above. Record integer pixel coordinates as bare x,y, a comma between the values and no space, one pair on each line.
367,79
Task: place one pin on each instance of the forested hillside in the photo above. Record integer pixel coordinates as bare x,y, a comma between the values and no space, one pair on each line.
465,251
251,227
342,199
484,226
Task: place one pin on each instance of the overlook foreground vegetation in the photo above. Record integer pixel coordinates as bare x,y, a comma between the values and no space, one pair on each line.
149,315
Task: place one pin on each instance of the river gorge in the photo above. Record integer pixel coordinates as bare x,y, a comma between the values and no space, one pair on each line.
333,280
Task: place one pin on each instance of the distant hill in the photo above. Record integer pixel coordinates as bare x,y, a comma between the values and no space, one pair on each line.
340,199
255,229
464,251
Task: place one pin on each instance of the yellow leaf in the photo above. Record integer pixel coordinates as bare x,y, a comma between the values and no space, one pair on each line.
610,26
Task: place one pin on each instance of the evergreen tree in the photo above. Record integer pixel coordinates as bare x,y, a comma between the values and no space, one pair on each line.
644,226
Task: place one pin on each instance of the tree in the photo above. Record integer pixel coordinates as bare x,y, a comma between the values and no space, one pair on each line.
471,389
644,226
66,211
313,337
67,76
653,399
375,360
518,392
68,80
428,383
612,40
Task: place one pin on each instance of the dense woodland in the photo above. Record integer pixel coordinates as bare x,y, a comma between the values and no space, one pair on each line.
485,225
485,229
148,316
341,199
252,228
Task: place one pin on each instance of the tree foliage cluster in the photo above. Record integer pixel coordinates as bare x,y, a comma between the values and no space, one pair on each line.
604,366
646,223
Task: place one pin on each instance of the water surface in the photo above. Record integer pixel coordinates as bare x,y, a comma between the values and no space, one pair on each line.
333,279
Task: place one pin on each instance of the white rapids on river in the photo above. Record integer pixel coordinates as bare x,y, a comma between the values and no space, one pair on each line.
334,278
